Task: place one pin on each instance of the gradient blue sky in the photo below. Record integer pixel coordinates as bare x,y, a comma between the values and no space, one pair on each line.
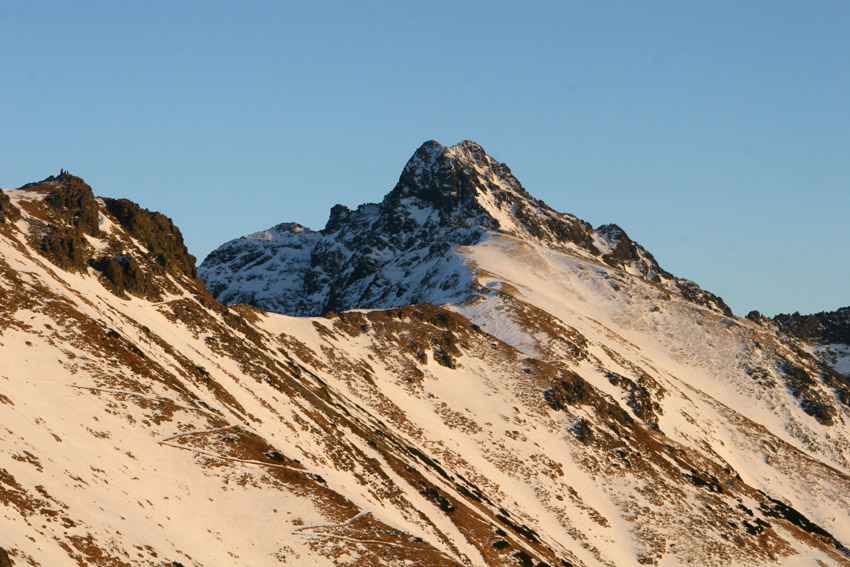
717,134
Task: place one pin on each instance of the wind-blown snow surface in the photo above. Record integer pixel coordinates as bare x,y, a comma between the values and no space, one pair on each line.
718,374
565,413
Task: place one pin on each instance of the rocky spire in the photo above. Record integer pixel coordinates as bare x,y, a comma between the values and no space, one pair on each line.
454,180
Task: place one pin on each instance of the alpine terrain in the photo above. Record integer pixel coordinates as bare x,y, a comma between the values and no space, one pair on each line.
458,375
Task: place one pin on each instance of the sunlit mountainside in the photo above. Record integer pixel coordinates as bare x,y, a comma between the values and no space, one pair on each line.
457,375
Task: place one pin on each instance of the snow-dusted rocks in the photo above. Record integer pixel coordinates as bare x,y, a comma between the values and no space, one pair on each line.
270,265
404,249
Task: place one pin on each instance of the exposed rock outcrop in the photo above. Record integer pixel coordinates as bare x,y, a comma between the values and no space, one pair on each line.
8,211
71,212
138,258
73,203
162,239
826,327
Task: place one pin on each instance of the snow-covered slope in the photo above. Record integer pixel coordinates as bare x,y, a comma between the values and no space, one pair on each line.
561,410
708,381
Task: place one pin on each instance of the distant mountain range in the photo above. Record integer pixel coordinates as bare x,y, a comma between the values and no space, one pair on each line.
458,375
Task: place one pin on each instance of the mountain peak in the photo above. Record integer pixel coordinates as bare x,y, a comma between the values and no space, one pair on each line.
461,182
433,151
403,250
430,147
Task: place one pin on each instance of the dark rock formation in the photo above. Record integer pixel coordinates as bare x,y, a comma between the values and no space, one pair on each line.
73,203
826,327
468,186
625,252
640,399
126,275
827,330
73,212
8,211
163,240
69,213
803,386
759,319
570,389
64,247
694,293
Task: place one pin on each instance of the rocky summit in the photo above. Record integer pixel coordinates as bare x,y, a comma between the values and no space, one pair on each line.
404,249
456,376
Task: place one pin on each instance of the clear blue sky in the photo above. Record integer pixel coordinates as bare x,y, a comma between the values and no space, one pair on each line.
717,134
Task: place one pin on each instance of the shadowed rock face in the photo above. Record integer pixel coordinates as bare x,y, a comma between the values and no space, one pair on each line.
164,253
826,327
73,203
8,211
72,213
163,240
401,250
126,276
4,558
446,180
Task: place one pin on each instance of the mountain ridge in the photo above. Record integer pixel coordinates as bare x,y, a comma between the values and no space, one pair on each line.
445,197
566,412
